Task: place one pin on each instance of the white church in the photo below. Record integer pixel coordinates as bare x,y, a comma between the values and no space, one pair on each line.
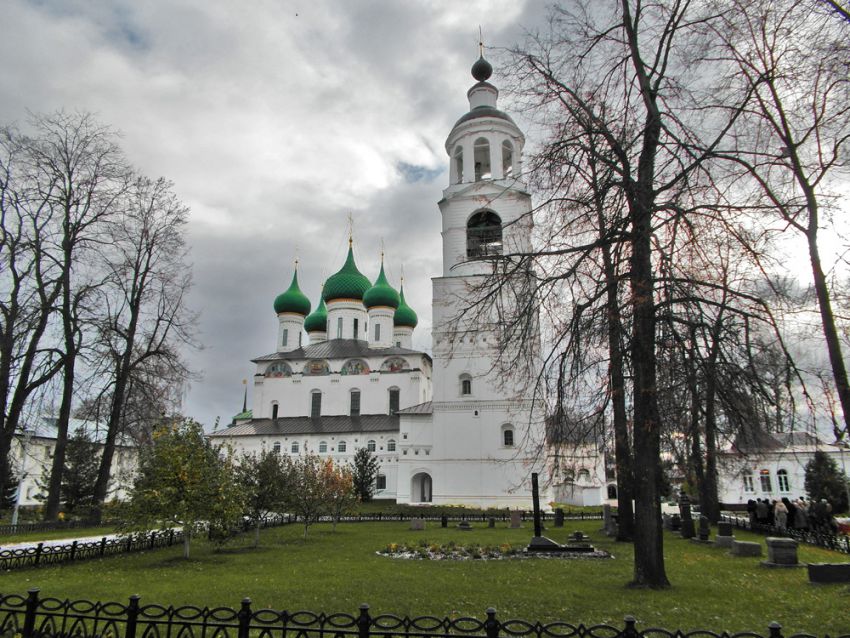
453,429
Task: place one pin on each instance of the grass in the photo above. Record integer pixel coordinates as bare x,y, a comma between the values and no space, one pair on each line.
335,572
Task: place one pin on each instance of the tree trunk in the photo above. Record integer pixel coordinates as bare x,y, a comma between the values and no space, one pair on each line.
257,534
187,539
54,490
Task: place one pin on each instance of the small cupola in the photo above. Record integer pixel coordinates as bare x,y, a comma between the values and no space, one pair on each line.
348,282
293,300
381,293
404,314
316,323
291,308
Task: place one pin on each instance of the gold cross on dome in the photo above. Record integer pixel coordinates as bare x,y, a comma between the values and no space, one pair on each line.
350,228
480,42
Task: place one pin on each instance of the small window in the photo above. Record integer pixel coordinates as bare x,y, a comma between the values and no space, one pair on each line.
782,479
458,162
764,478
465,385
299,339
294,447
391,445
341,447
482,159
508,437
276,448
356,328
370,445
339,328
381,482
747,478
394,400
274,411
377,331
355,403
507,159
315,405
398,344
285,339
323,447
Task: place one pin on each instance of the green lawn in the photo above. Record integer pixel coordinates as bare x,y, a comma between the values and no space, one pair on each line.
335,572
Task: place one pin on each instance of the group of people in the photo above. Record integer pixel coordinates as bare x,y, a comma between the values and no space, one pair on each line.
799,514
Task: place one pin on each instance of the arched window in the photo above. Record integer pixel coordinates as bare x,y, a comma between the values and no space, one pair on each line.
482,159
507,159
394,400
747,478
279,369
583,477
465,385
355,403
294,447
316,368
391,445
508,436
612,491
458,164
341,446
285,337
274,411
764,479
276,448
370,445
354,366
782,479
569,475
315,404
483,234
323,447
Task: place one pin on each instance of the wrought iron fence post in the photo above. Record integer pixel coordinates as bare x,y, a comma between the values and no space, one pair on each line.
29,615
775,630
171,537
245,618
629,631
364,622
38,551
73,550
103,546
491,625
132,616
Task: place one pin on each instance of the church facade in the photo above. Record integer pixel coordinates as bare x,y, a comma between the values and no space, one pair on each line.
456,428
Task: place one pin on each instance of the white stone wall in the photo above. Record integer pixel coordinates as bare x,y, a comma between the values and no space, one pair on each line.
381,316
310,444
290,325
293,394
342,313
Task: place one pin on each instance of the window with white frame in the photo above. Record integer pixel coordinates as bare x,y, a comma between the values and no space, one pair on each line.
323,447
294,447
341,446
370,445
747,478
782,479
315,404
391,445
276,448
764,479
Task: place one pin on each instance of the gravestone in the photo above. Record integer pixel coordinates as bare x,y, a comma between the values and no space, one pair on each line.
516,519
559,517
781,552
609,525
539,543
724,536
704,530
829,572
687,519
444,521
491,522
746,548
417,524
675,523
464,526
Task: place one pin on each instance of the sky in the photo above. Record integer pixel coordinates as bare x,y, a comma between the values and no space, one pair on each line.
275,121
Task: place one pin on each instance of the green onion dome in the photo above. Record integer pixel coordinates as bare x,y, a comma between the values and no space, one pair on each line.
381,294
293,300
318,319
404,315
347,283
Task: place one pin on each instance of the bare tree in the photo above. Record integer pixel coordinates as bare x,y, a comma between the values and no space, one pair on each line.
146,318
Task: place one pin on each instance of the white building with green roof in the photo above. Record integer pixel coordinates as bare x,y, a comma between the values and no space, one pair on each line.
455,429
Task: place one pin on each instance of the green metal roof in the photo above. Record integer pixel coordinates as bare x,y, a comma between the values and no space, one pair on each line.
318,319
381,294
347,283
404,315
293,300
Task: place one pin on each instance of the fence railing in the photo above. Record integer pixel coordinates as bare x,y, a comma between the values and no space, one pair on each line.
819,539
49,526
33,617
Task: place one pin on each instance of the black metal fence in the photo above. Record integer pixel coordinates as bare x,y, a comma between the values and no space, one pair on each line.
33,617
819,539
49,526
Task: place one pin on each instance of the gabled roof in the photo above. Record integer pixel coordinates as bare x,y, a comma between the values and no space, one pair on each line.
338,349
757,441
342,424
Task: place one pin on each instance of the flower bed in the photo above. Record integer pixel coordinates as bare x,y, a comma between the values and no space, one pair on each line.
425,550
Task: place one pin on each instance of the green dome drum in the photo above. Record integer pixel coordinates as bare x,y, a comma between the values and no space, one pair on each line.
347,283
381,294
404,315
318,319
293,300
